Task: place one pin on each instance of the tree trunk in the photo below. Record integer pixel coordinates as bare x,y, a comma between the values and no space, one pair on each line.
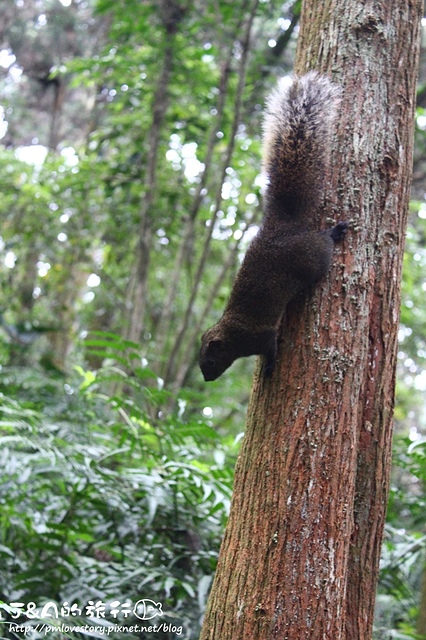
137,291
300,555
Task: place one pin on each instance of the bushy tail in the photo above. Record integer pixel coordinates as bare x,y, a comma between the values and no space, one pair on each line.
296,143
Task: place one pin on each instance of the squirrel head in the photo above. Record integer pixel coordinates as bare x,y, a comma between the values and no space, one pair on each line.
216,354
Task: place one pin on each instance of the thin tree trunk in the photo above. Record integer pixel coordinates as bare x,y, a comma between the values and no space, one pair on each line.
137,291
300,555
185,248
58,103
171,13
63,339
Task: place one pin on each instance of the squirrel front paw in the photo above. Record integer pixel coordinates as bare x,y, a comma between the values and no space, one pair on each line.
338,232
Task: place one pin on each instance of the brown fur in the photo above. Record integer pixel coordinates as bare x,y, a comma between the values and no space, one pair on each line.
287,255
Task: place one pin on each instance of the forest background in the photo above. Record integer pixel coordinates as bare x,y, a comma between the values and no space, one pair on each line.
130,183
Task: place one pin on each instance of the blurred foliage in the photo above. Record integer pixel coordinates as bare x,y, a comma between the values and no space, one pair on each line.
101,500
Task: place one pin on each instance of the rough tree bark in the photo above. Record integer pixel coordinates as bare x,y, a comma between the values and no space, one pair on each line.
300,555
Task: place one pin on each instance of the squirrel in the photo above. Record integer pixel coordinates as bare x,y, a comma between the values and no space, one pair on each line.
287,254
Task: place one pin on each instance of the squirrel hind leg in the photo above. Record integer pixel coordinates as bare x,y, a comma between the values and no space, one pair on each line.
338,232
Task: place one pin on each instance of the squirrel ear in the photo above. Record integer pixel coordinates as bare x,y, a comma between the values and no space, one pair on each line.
215,345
